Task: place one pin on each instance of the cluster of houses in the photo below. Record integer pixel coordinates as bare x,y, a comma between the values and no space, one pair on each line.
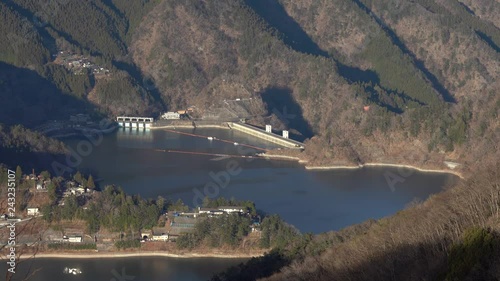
41,184
77,63
177,222
184,222
73,188
222,210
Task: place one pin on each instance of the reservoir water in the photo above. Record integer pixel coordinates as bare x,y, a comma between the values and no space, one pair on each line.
312,201
122,269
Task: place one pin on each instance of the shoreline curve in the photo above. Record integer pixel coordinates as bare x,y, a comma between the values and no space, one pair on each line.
98,255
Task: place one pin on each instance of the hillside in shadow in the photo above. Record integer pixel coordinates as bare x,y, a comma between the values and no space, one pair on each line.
30,99
12,157
293,34
281,102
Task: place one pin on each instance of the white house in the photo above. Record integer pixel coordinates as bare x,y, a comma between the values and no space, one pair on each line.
171,115
77,190
233,209
160,237
33,211
255,228
75,239
210,211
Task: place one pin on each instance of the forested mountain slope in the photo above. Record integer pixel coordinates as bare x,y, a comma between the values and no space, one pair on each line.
393,81
333,58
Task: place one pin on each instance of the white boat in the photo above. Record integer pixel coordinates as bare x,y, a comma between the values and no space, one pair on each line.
74,271
210,138
236,143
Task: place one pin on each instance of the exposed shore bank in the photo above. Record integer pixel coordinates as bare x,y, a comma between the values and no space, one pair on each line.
93,255
440,171
352,167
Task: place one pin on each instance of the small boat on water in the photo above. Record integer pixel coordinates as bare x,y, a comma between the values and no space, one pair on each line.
74,271
236,143
210,138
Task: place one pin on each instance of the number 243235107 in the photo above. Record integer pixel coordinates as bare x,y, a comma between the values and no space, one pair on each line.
11,193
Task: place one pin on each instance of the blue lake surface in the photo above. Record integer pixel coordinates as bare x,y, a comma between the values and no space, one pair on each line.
313,201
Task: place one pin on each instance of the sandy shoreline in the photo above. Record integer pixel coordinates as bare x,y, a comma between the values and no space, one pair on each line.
97,255
352,167
278,157
440,171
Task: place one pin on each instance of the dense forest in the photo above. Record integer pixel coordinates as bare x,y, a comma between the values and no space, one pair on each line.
231,230
110,209
22,146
